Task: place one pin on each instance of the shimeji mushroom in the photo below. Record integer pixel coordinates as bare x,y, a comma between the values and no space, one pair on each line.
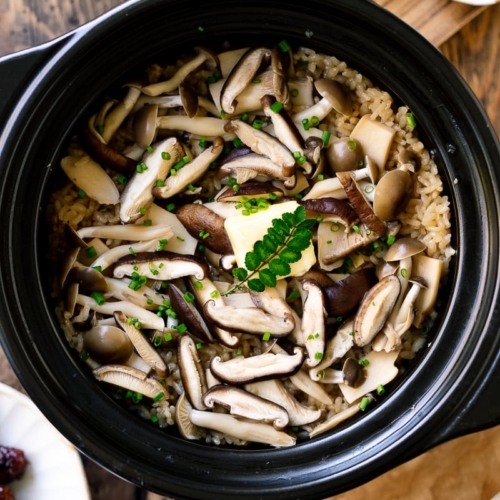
203,54
107,344
144,125
256,432
109,257
334,96
262,143
344,154
191,172
146,318
275,391
137,195
132,379
352,374
271,301
328,187
376,139
241,75
392,194
242,403
192,373
380,370
88,175
121,289
241,370
202,126
118,114
160,265
249,319
374,310
142,345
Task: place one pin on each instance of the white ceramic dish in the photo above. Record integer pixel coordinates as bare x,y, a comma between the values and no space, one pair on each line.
478,2
55,470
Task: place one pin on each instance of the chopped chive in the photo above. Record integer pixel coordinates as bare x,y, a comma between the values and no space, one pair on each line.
320,177
157,341
294,92
81,193
391,239
149,149
369,188
191,188
325,136
276,106
165,155
272,196
364,403
147,222
237,143
305,124
161,244
171,207
293,295
167,337
90,252
334,227
203,142
380,390
97,268
352,145
199,345
131,251
314,120
318,355
283,45
410,120
158,396
214,294
159,183
266,336
244,117
98,298
238,352
404,273
180,239
356,229
188,297
363,362
181,328
122,179
257,124
137,397
154,419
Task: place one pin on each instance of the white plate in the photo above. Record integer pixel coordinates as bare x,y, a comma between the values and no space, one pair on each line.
55,470
478,2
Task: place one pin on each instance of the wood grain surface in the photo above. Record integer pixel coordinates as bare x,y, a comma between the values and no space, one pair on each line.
464,469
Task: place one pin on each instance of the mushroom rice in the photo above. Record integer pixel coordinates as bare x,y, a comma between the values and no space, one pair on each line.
248,244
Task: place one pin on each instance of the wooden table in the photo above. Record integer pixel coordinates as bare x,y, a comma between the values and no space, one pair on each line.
464,469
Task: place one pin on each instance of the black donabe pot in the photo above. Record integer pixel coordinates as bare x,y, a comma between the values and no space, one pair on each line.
450,389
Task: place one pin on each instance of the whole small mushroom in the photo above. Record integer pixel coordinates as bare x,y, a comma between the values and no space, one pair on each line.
108,344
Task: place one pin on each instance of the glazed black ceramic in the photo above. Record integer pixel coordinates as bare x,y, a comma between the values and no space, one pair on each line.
451,388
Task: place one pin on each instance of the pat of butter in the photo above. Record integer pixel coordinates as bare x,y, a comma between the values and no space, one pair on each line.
244,230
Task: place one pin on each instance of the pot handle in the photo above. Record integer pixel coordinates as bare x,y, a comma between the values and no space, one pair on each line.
17,69
480,412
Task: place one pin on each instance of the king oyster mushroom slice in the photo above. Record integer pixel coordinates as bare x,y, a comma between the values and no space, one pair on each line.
161,265
286,130
275,391
335,420
249,319
203,55
261,142
186,427
392,194
132,379
376,139
271,301
360,203
240,370
374,310
205,225
255,432
88,175
313,322
191,172
142,345
191,370
138,194
336,348
244,404
241,75
205,291
189,314
252,165
303,381
147,318
107,344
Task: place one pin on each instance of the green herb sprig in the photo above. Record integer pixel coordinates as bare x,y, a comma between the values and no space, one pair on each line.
281,246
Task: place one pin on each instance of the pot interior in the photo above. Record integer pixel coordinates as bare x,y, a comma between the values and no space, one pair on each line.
396,58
